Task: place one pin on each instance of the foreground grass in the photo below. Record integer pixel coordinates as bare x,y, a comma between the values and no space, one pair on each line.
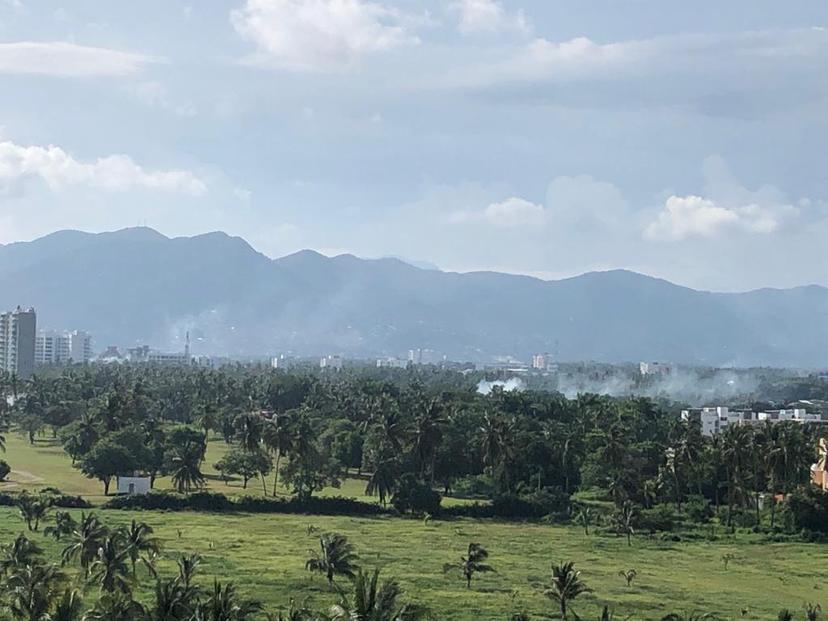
265,554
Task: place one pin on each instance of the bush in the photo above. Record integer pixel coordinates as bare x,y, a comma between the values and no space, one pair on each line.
659,518
550,503
219,503
414,496
478,486
698,509
807,511
4,470
56,498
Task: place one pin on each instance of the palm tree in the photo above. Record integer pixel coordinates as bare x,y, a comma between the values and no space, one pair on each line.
172,602
277,438
32,508
812,611
137,539
86,539
383,476
31,591
69,608
474,562
427,433
688,616
736,454
186,467
116,607
336,557
249,429
187,569
625,520
584,517
629,575
109,570
64,526
566,586
224,604
496,443
373,601
21,552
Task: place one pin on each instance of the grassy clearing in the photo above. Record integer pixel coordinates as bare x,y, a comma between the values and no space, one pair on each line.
45,464
265,554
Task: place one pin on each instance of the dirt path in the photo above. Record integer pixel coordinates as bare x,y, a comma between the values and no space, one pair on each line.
20,477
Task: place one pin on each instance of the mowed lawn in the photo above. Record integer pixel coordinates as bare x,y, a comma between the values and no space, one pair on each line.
265,554
45,464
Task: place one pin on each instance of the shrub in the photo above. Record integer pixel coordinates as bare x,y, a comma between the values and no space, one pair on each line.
4,470
807,510
659,518
219,503
479,486
550,503
414,496
56,499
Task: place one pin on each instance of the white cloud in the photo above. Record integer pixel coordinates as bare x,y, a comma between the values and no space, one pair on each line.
511,213
57,169
714,72
319,35
488,16
726,207
62,59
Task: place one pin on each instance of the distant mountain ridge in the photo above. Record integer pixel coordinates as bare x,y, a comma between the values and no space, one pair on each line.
138,286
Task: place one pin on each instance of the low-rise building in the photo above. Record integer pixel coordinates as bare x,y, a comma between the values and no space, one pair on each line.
331,362
391,363
714,420
655,368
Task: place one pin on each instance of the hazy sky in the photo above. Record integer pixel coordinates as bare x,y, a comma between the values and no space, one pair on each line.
681,139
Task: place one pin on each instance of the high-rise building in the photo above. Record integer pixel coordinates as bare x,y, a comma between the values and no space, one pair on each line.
17,342
62,347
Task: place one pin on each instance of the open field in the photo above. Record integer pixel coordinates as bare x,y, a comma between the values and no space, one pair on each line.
45,464
264,555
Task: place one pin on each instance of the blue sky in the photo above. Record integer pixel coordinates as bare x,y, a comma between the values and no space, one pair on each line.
682,140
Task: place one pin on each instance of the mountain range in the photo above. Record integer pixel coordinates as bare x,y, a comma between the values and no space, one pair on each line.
137,286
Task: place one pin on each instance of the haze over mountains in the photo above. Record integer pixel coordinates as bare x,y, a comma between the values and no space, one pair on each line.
137,286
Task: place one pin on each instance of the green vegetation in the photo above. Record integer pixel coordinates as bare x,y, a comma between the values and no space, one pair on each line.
593,487
265,556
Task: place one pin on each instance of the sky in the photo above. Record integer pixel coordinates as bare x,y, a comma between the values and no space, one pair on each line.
685,140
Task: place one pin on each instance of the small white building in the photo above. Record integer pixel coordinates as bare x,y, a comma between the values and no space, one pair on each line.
134,485
392,363
655,368
331,362
714,420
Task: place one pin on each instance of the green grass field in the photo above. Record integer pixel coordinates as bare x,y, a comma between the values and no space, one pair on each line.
265,554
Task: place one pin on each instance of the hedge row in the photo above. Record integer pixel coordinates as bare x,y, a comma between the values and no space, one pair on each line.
64,501
219,503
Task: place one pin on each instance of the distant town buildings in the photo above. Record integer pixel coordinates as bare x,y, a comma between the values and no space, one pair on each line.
424,356
18,330
143,354
714,420
655,368
540,361
62,347
331,362
392,363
